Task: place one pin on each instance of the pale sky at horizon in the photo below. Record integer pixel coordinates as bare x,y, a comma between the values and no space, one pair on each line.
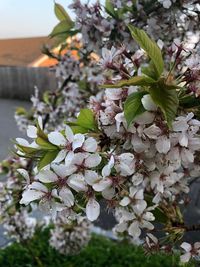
28,18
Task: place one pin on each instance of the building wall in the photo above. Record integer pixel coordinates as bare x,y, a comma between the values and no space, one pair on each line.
19,82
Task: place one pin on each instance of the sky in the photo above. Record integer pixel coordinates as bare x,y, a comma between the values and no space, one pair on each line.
27,18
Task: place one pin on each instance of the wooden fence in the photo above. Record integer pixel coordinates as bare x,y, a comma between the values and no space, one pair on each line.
19,82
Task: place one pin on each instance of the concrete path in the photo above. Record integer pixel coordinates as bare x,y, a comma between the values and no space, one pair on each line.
8,131
8,127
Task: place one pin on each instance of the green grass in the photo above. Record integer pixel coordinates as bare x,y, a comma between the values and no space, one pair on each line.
100,252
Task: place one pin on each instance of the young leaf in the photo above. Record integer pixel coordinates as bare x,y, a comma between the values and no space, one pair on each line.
62,28
20,111
133,106
136,80
78,129
110,9
167,100
27,149
45,144
150,71
41,133
150,47
47,158
61,13
86,119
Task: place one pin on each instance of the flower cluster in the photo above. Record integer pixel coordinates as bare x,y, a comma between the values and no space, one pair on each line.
70,238
20,226
174,14
18,223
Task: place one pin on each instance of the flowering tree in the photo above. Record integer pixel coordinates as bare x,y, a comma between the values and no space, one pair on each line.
123,128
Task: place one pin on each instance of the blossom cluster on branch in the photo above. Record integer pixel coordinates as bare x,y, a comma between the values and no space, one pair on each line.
122,127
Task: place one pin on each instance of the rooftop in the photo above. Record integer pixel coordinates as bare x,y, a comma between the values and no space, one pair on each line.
21,52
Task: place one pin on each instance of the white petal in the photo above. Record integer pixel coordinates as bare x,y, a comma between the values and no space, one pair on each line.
145,118
180,125
30,195
134,230
78,141
125,170
47,176
137,179
148,103
31,131
108,193
22,142
139,207
185,257
54,193
121,227
107,168
186,246
187,156
152,132
148,216
90,145
183,139
69,134
163,144
92,160
138,144
91,177
57,139
69,157
147,225
102,185
106,171
40,122
79,158
119,119
61,156
67,197
92,209
38,187
62,170
139,194
125,201
77,182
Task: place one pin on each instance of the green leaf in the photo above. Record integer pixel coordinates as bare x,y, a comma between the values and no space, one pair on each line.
86,119
41,133
189,101
136,80
133,106
61,13
167,100
26,149
46,97
47,158
62,29
110,9
20,111
44,144
78,129
83,85
150,47
160,215
150,71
